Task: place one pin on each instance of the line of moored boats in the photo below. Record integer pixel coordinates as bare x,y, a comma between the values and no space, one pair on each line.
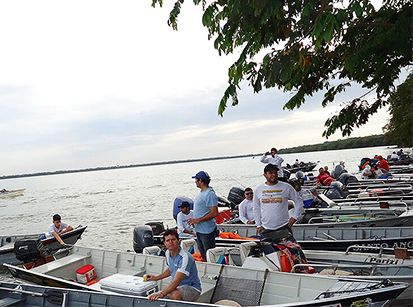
358,249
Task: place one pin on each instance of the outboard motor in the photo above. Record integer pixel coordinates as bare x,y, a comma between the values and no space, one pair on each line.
286,174
142,237
236,195
27,250
157,227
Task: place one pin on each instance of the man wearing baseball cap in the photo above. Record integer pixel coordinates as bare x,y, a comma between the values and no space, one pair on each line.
183,217
205,211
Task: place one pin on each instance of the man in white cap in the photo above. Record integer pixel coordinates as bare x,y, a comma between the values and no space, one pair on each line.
205,211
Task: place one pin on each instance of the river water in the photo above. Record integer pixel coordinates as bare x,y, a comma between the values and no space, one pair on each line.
112,202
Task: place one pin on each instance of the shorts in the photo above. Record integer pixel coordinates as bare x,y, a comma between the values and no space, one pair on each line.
189,293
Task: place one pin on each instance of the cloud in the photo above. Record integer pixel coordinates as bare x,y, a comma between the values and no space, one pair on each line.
92,83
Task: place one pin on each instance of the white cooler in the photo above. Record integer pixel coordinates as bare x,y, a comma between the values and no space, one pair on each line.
128,284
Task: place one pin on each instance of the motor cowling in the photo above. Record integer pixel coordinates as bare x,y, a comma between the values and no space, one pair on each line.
157,227
27,250
236,195
142,237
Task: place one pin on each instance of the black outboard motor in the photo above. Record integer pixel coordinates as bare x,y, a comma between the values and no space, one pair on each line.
27,250
236,195
142,237
286,174
157,227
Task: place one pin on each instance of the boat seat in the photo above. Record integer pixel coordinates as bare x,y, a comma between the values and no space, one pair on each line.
9,301
207,289
189,245
244,291
224,255
62,262
245,249
327,200
151,250
217,255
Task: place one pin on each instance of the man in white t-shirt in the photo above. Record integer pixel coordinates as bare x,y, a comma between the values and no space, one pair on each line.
58,228
272,157
183,217
271,203
246,207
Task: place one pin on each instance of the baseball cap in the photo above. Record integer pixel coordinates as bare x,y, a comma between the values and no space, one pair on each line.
201,175
184,204
270,167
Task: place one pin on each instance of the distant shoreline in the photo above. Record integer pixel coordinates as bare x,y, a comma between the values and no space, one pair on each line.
104,168
351,143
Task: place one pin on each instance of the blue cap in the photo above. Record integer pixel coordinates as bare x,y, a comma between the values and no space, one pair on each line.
202,175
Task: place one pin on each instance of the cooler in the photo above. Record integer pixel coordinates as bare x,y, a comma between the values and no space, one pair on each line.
128,284
85,274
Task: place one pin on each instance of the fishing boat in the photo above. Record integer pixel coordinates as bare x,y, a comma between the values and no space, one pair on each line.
7,252
25,295
11,193
332,239
242,286
373,265
304,167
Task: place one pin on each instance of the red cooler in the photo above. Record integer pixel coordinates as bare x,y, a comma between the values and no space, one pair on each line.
86,274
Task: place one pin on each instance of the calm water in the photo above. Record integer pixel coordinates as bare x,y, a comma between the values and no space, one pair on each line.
111,203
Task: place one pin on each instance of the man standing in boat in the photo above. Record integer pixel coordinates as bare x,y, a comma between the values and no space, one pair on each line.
185,284
205,211
58,228
272,157
271,206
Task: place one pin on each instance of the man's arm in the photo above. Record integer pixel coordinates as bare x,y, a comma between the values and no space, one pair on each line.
179,222
161,276
213,212
264,158
242,212
257,211
298,206
58,238
162,293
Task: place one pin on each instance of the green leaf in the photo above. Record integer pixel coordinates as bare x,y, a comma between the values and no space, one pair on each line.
358,9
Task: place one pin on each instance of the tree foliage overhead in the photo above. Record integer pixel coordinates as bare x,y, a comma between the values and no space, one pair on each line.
400,127
309,43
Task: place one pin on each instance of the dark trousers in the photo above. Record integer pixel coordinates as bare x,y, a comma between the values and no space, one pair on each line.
205,241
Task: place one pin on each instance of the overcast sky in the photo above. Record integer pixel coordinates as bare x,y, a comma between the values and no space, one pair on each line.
87,83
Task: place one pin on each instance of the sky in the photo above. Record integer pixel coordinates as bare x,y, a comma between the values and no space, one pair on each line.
87,83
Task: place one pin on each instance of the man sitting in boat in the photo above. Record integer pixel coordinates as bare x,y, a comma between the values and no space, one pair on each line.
383,165
182,219
246,208
58,228
323,179
394,156
185,284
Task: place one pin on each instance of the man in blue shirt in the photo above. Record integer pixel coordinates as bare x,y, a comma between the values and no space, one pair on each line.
205,211
185,284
